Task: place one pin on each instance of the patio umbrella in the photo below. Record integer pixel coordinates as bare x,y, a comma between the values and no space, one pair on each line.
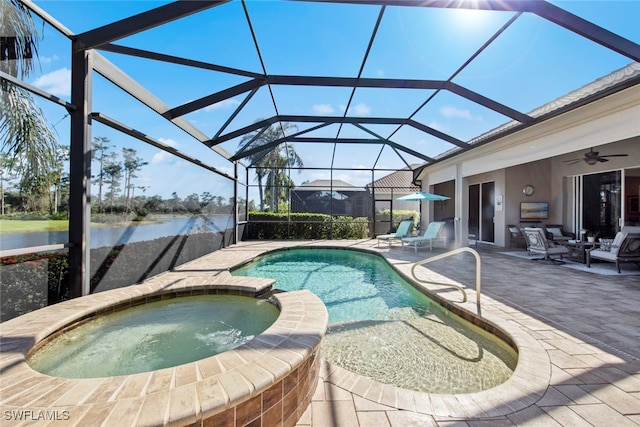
421,196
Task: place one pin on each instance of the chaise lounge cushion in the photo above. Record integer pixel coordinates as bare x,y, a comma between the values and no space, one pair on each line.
557,233
624,248
404,229
434,234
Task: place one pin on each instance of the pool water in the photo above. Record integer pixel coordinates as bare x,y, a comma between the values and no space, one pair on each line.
382,327
154,336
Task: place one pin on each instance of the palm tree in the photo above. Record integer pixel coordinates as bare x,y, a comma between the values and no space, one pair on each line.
272,165
24,133
278,161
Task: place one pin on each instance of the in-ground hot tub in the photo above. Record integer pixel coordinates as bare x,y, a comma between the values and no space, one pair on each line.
154,335
269,379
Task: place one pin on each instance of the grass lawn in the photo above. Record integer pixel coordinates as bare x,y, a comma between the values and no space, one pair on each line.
24,226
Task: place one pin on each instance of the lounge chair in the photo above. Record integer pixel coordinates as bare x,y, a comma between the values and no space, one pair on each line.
624,248
404,230
538,244
557,233
517,238
433,234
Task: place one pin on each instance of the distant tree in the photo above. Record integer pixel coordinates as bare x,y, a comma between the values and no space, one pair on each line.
175,203
6,175
192,203
206,198
58,178
113,178
131,164
153,203
100,147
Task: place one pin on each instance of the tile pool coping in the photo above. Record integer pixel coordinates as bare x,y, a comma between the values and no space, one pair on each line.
526,386
283,359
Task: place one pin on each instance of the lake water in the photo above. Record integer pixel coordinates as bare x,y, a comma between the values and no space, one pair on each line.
112,236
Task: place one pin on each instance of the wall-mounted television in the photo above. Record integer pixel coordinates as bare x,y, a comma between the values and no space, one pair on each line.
534,210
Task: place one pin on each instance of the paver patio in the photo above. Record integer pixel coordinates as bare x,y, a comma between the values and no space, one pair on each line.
588,324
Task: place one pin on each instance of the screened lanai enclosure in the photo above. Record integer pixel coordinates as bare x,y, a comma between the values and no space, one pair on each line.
183,127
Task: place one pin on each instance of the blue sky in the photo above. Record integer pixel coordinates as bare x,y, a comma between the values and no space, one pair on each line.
531,63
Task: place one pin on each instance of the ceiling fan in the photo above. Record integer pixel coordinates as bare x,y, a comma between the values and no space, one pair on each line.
592,157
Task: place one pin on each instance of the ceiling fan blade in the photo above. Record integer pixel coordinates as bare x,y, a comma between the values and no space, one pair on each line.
615,155
602,159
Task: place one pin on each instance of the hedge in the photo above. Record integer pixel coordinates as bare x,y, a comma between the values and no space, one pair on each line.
305,226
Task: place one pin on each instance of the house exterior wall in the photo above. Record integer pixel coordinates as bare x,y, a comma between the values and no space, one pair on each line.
537,156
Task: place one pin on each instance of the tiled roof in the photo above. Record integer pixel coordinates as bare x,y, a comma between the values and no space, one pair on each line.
402,178
328,185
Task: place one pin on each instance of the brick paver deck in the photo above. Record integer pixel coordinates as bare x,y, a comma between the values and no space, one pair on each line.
587,324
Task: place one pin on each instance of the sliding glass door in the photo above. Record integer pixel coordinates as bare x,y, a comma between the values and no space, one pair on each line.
482,211
602,203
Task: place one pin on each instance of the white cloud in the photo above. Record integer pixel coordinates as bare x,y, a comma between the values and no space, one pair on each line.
323,109
57,82
162,157
360,109
453,112
438,126
227,103
169,142
48,59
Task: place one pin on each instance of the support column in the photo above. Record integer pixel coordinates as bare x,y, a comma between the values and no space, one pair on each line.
80,174
373,204
236,213
461,230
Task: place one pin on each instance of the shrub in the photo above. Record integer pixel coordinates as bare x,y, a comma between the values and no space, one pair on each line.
305,226
384,215
61,216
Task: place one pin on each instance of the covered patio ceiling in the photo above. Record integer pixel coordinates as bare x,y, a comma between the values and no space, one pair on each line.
365,83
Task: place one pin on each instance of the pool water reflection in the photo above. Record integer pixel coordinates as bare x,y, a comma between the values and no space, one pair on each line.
382,327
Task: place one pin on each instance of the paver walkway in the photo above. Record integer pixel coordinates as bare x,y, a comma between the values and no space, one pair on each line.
588,325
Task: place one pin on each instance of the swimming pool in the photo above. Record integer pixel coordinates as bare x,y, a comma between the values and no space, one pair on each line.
382,327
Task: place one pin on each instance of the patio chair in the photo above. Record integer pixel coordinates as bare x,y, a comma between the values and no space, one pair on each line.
538,244
557,233
404,230
433,234
624,248
517,237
